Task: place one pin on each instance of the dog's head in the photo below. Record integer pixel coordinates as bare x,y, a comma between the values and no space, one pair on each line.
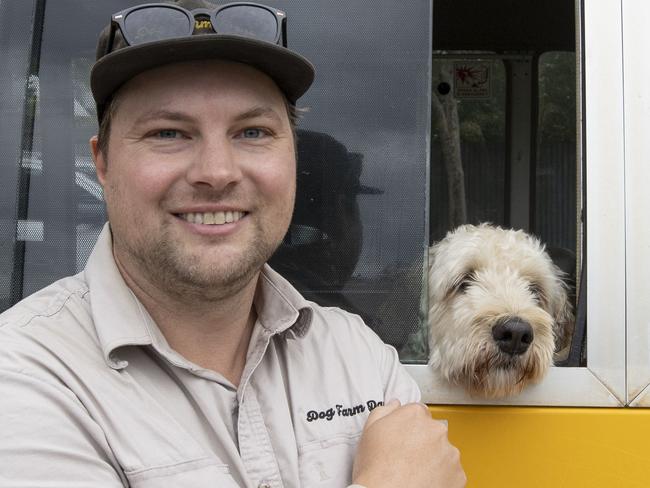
497,309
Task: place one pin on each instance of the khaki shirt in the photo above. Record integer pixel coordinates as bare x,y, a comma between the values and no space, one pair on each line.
91,394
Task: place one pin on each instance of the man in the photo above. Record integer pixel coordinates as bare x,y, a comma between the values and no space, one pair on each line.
177,357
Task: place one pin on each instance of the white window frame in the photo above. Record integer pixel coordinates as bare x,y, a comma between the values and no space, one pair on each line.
636,39
603,381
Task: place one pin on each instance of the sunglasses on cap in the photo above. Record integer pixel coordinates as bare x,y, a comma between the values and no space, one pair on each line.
160,21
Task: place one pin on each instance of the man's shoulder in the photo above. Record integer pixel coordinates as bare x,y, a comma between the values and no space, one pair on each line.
284,300
338,318
42,307
344,331
46,324
344,352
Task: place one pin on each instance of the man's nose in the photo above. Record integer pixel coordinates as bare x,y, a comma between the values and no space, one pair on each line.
215,164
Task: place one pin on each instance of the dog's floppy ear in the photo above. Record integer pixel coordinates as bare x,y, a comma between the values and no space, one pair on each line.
433,286
562,313
562,308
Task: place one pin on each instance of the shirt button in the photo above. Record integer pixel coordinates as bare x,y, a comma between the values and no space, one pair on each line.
264,485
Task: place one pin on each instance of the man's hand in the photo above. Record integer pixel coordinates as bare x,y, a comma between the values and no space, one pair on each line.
404,446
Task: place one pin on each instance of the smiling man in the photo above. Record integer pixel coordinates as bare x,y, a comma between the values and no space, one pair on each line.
178,357
199,183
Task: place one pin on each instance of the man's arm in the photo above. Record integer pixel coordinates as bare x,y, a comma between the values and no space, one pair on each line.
401,444
404,446
47,438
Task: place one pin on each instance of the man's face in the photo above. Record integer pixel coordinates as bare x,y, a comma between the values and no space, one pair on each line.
199,176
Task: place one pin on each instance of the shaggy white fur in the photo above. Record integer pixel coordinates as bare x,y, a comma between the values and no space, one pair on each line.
482,277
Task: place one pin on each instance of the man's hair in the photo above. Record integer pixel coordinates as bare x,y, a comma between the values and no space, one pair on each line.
110,110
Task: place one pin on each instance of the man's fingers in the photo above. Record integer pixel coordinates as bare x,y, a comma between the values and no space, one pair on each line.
398,437
424,406
381,412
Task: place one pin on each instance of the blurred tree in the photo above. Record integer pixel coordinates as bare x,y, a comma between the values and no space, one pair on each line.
557,97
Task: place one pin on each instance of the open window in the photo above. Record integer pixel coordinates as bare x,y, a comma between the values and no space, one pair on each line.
529,132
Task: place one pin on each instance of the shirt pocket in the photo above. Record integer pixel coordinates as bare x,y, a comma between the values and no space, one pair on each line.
200,473
327,463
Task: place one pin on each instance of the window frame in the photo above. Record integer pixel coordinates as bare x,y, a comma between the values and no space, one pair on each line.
637,153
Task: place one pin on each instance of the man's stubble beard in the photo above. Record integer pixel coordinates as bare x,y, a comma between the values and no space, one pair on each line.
185,276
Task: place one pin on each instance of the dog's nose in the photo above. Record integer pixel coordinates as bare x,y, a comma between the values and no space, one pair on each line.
513,336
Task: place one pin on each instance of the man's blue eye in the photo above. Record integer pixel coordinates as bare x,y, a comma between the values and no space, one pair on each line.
167,134
252,133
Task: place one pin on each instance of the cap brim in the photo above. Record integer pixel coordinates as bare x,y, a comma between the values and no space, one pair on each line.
291,72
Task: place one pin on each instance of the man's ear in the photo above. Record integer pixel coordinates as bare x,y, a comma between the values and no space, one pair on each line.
99,159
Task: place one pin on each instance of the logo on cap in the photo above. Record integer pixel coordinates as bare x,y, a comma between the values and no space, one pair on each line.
202,25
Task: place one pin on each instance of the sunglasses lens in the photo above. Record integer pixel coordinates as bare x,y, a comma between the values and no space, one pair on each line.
156,23
247,21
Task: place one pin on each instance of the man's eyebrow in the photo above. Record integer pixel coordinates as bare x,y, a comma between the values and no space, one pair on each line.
261,111
163,114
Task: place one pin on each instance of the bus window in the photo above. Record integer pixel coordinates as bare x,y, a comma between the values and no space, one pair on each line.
358,236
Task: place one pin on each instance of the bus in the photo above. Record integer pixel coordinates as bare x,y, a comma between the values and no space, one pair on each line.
542,107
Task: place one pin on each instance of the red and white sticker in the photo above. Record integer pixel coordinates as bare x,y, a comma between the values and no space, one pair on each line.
472,80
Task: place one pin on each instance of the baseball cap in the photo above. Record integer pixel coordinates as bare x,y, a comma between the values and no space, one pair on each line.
117,61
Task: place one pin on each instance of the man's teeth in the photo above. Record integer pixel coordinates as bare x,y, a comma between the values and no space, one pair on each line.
212,218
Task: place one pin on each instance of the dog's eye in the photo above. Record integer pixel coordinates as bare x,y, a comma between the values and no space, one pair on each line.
536,290
464,283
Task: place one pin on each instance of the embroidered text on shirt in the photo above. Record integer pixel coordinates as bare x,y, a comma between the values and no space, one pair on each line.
341,411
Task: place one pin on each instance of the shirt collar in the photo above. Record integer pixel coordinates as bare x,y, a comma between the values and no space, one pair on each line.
119,317
121,320
280,306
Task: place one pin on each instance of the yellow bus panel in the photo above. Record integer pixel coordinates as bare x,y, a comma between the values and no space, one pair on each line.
530,447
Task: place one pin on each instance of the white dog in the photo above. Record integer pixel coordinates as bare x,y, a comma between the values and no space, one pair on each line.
498,309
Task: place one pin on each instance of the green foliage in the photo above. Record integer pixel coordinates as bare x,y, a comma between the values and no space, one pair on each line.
557,97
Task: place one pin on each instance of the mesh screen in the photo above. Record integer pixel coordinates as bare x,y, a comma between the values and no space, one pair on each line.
17,98
359,233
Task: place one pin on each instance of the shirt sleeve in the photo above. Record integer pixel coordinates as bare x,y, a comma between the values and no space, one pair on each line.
47,438
398,383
